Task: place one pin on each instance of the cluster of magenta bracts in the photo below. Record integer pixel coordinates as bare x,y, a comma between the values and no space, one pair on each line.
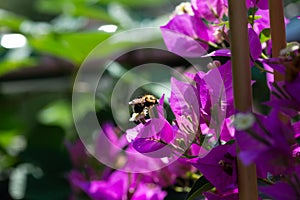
206,129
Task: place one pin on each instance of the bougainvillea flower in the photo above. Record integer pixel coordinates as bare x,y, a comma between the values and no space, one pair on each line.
219,52
254,45
263,21
285,190
167,176
186,35
120,186
267,137
120,151
281,190
262,4
108,146
184,102
219,167
211,10
296,128
153,137
74,176
77,153
286,97
117,152
201,108
205,102
163,177
114,188
211,93
148,191
228,131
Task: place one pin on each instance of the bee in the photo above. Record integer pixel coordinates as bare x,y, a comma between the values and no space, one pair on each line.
141,107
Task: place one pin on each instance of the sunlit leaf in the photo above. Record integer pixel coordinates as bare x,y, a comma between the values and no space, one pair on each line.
11,20
72,46
265,35
57,113
7,136
54,6
94,13
75,8
256,17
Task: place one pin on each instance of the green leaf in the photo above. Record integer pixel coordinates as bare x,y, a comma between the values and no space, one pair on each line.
137,3
75,8
57,113
8,65
200,186
9,116
7,136
230,142
54,6
8,19
95,13
7,161
72,46
128,40
226,23
265,35
250,17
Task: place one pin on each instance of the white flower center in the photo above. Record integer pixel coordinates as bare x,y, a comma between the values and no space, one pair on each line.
184,8
243,121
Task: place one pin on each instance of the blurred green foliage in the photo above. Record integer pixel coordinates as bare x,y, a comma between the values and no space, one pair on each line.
25,141
36,118
68,28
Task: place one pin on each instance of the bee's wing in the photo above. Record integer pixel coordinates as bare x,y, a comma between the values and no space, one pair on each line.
132,107
136,101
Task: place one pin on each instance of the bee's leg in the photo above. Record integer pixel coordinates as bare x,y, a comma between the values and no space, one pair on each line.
143,120
134,117
137,122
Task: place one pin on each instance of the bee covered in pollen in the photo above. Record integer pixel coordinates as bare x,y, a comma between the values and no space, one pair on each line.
141,107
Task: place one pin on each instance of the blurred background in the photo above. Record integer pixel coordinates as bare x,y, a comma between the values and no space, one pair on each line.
42,45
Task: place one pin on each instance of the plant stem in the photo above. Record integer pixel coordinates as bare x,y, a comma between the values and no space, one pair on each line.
238,21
